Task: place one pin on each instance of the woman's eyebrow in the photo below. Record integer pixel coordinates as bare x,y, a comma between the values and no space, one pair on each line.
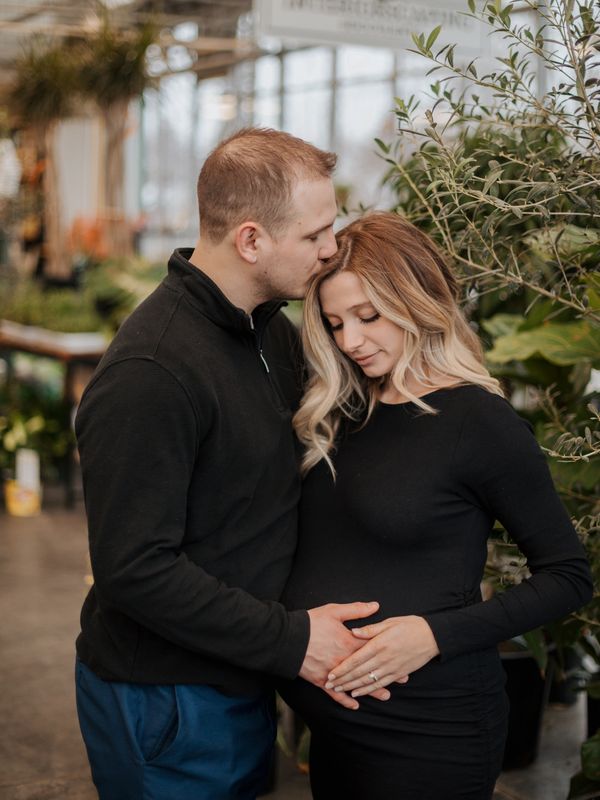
352,308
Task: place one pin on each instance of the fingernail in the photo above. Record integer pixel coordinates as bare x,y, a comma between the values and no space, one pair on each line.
337,689
329,685
331,677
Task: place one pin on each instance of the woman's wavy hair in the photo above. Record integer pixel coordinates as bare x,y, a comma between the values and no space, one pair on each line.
407,280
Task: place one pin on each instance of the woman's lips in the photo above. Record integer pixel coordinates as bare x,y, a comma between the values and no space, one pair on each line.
365,359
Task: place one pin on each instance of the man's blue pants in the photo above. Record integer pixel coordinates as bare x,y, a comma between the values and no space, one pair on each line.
183,742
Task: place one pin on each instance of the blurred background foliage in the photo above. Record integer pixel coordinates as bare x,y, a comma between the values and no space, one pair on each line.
102,296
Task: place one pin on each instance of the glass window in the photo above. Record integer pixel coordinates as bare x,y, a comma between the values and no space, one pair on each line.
364,62
364,111
215,109
267,74
307,115
308,67
176,103
267,111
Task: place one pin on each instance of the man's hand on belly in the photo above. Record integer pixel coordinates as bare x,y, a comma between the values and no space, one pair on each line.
331,642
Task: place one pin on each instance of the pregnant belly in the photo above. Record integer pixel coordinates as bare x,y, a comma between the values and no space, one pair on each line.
451,706
440,697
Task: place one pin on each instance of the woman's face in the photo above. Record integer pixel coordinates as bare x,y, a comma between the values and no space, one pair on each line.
372,341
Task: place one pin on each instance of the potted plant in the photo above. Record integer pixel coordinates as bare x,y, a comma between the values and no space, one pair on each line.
33,416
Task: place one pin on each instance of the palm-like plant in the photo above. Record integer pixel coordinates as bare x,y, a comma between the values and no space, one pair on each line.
40,95
112,73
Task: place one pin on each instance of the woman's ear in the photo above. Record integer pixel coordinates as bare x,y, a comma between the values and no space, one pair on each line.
245,241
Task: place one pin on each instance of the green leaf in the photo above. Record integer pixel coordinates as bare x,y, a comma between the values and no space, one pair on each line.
559,343
593,299
593,290
590,757
568,240
502,324
583,788
581,474
432,37
472,6
537,644
385,147
491,180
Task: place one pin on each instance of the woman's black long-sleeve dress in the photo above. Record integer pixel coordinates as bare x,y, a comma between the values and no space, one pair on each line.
406,523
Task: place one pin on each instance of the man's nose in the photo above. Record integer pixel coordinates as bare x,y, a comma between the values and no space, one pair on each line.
329,247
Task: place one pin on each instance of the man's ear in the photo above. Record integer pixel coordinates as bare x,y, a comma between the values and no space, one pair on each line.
246,240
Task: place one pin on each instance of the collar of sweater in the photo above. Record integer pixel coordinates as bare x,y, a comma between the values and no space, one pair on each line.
210,300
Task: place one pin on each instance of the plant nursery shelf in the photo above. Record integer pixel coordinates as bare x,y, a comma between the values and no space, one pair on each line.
71,349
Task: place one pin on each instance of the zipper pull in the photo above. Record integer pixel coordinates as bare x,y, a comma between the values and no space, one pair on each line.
251,321
263,359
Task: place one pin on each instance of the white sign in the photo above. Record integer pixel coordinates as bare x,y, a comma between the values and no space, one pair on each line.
27,469
376,23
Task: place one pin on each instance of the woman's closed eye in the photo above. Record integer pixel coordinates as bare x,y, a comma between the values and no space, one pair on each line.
364,320
373,318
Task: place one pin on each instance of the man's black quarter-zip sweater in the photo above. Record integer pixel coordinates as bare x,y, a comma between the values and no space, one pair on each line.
191,488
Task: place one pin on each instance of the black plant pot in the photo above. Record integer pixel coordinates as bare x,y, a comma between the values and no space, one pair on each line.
593,713
566,682
528,692
593,716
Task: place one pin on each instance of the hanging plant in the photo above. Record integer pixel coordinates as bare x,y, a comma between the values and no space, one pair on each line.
113,72
40,95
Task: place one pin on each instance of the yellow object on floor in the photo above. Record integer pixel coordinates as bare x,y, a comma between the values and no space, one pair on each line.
21,501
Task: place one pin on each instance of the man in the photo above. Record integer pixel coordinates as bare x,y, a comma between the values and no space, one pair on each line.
191,488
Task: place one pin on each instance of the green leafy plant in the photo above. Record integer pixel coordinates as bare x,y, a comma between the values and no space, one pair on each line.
33,415
108,293
505,175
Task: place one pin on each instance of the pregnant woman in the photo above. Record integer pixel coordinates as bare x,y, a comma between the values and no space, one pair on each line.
411,455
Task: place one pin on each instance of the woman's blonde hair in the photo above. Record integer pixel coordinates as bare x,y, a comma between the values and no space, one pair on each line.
407,280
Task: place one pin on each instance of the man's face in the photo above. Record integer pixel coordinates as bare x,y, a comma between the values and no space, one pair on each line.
297,252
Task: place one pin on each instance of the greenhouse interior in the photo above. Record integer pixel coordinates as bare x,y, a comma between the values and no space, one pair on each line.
196,465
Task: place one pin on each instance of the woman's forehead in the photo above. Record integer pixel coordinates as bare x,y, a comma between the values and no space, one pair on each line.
342,290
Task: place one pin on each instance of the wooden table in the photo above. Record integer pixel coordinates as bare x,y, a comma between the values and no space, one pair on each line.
71,349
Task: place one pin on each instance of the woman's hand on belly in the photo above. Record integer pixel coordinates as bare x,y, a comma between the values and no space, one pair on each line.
395,648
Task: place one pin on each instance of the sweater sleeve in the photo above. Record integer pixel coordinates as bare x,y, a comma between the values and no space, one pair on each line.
502,469
139,437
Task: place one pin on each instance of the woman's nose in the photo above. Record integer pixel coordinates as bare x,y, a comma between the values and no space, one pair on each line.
351,338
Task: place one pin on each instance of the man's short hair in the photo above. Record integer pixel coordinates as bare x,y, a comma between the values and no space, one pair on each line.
251,175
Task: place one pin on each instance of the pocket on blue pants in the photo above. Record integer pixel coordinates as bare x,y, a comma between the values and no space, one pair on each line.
158,721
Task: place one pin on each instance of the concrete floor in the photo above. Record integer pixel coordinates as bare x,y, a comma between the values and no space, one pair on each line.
43,579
